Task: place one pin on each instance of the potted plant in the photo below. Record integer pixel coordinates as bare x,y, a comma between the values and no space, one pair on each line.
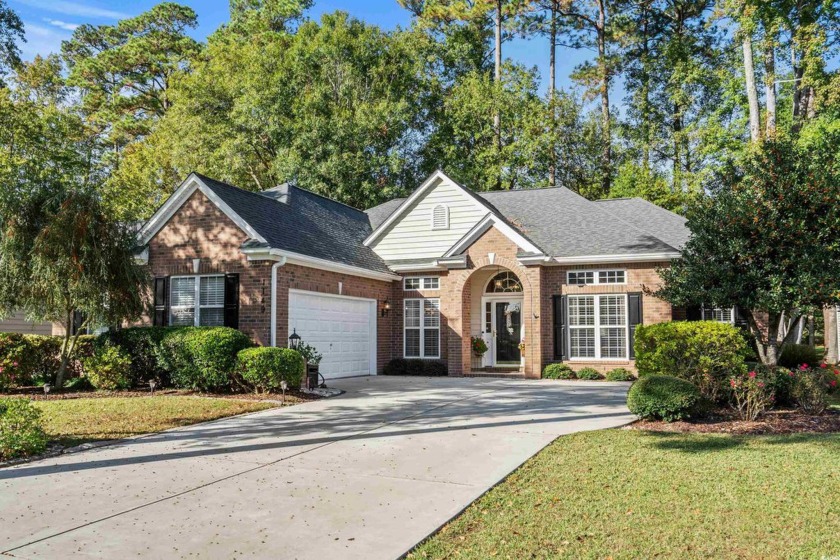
479,347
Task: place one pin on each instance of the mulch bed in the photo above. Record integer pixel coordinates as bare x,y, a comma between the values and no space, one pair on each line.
726,422
37,394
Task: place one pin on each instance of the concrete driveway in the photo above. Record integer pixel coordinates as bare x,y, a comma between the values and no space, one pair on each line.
365,475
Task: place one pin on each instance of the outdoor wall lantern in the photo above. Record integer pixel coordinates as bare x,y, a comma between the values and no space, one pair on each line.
386,307
294,340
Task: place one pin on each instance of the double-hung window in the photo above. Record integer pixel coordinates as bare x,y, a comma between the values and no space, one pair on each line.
726,315
598,326
422,328
587,277
197,301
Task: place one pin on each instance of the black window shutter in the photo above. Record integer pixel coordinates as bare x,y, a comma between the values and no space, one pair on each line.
634,313
232,300
161,314
560,306
78,319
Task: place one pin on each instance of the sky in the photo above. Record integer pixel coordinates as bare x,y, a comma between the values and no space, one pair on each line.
49,22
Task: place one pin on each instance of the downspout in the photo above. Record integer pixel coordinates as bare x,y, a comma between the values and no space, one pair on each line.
277,264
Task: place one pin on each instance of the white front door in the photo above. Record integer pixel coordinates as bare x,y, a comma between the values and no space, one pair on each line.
342,329
503,329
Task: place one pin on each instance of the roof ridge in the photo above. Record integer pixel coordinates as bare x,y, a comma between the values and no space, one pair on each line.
294,186
508,191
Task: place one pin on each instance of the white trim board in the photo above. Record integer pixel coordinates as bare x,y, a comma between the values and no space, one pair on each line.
191,184
314,262
491,220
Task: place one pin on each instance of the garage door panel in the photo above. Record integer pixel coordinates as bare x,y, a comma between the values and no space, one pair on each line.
341,329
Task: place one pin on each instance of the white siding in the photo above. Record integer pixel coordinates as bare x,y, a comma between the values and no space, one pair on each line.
412,236
17,323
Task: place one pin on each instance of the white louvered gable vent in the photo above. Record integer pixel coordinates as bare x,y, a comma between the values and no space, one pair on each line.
440,217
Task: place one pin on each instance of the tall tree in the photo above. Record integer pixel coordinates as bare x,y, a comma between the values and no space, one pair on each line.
11,32
125,71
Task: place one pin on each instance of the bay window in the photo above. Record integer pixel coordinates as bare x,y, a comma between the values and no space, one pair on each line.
422,328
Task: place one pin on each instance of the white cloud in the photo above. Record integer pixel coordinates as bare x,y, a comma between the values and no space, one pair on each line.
41,40
62,24
75,9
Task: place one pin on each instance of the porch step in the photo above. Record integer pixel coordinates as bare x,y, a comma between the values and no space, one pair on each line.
497,373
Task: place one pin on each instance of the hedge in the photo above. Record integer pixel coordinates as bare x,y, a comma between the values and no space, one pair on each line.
416,366
663,397
794,355
28,359
202,358
705,353
264,368
109,368
558,371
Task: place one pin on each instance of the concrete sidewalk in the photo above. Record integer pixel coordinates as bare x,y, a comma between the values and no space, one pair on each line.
365,475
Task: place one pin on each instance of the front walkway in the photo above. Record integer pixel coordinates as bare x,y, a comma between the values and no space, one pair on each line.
365,475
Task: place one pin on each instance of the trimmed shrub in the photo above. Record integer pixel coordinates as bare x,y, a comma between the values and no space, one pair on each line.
620,374
558,371
143,346
201,358
810,388
109,368
705,353
794,355
264,368
21,433
588,374
663,397
15,361
416,367
780,380
27,359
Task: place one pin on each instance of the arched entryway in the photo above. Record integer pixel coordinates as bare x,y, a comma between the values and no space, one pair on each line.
496,313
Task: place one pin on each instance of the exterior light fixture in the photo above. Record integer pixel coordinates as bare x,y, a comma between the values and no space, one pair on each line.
386,307
284,386
152,384
46,389
294,340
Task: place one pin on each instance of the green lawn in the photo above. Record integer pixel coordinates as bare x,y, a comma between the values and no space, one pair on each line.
631,494
76,421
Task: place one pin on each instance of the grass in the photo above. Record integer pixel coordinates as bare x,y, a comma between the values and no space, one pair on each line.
76,421
631,494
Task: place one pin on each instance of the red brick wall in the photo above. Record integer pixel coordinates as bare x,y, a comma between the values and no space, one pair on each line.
200,230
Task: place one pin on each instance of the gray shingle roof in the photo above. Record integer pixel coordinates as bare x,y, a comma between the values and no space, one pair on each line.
667,226
309,224
379,214
564,224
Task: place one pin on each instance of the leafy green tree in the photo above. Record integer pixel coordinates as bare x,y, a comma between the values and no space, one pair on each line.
635,181
766,240
125,71
11,31
61,251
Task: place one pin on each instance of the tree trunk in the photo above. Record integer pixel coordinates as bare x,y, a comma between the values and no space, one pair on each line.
832,354
58,381
766,337
606,154
552,49
497,119
752,93
770,88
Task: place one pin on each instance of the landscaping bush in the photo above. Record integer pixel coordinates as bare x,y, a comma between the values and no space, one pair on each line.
108,368
663,397
558,371
589,374
705,353
15,366
310,353
416,366
620,374
264,368
27,359
21,433
752,394
780,380
794,355
202,358
143,347
810,388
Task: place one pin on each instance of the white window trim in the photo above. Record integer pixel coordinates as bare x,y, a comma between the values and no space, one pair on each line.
445,225
422,329
731,310
596,276
597,326
422,283
197,307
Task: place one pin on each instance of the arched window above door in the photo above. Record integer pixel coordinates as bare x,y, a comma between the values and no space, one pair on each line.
504,282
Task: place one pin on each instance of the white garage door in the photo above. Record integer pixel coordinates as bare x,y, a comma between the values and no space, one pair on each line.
343,329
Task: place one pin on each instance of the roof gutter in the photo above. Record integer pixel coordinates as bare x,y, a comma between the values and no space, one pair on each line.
599,259
267,253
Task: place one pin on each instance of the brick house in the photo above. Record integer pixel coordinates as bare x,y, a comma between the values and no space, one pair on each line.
540,275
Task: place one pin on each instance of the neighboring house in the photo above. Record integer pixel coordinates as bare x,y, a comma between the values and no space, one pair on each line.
18,323
542,275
